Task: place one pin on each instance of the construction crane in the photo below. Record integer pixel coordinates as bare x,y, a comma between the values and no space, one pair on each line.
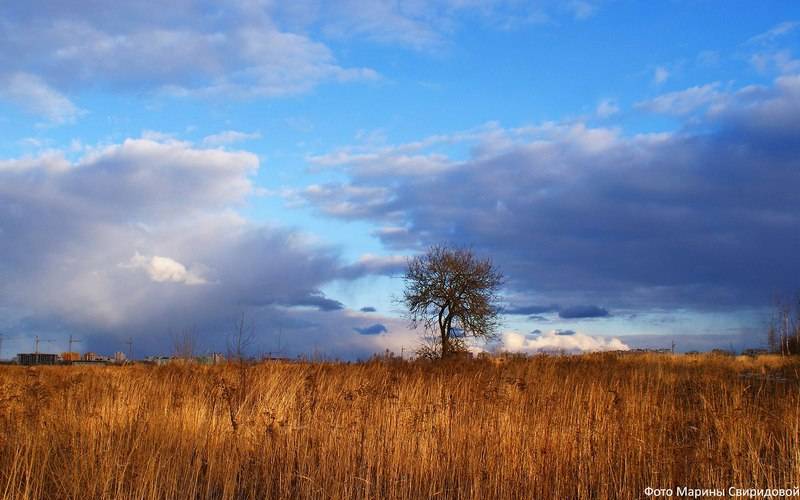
129,343
37,341
72,341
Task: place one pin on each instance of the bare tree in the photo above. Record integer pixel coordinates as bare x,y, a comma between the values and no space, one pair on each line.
184,343
237,391
453,294
241,339
783,335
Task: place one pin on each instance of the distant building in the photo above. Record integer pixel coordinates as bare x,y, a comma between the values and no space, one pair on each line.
91,356
70,356
119,357
629,352
722,352
37,358
214,358
282,359
158,360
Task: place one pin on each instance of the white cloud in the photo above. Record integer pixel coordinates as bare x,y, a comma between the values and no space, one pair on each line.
594,139
429,24
152,177
660,75
256,49
555,341
229,137
778,31
581,9
163,270
244,53
606,108
51,162
686,101
783,61
33,94
344,200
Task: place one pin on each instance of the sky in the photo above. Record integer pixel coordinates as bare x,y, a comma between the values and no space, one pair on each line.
167,167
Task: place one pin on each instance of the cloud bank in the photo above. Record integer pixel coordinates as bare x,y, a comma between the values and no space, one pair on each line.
375,329
704,218
184,48
559,341
194,48
141,238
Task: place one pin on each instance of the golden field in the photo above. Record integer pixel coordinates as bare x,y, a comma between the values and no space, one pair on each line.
591,426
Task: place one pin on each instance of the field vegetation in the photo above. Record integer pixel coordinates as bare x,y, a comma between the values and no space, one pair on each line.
591,426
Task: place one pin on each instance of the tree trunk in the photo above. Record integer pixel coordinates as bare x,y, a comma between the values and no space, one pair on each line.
445,342
444,331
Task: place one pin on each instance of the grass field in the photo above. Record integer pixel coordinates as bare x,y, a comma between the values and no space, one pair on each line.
592,426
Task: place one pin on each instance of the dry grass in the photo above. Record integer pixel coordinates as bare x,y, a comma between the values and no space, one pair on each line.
595,426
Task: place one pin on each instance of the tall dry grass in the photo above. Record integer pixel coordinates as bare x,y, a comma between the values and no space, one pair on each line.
594,426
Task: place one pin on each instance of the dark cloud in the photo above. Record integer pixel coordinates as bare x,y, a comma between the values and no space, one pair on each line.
565,332
319,301
375,265
704,218
396,237
531,309
375,329
577,312
572,312
368,309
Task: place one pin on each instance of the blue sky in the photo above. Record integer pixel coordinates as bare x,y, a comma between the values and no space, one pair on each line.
165,168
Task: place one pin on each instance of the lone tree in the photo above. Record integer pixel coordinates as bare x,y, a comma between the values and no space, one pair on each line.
454,295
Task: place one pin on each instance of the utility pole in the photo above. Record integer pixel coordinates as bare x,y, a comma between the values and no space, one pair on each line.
279,350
